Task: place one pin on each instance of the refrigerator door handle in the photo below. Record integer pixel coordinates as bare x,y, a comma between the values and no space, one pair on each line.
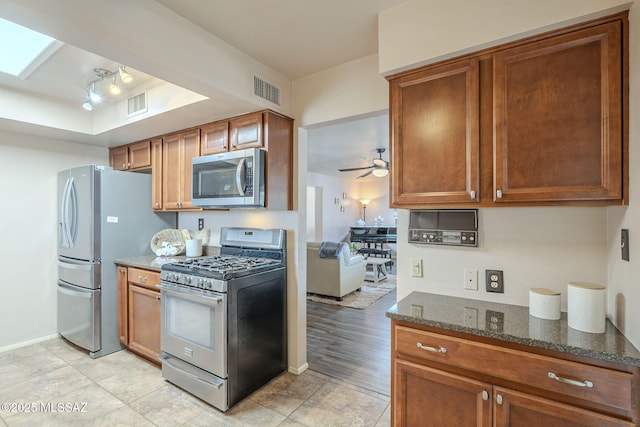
69,214
64,234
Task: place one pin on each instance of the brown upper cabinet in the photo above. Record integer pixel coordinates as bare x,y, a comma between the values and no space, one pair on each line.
539,121
215,137
263,129
131,157
177,151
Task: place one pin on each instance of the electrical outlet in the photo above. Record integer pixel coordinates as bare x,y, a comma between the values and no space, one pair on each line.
471,279
200,223
624,243
495,282
416,267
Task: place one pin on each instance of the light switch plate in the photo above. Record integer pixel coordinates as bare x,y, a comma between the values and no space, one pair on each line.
471,279
416,267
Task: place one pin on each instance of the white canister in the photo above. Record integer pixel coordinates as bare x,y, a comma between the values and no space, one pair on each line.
194,247
544,303
586,307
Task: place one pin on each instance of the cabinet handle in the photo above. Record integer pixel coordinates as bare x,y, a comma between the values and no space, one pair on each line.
158,298
128,164
431,349
499,194
157,204
142,278
585,383
473,194
485,395
499,399
124,165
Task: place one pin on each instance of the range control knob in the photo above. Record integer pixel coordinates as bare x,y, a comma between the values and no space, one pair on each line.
187,279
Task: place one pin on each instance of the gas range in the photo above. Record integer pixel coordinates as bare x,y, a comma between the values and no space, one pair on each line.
243,252
210,273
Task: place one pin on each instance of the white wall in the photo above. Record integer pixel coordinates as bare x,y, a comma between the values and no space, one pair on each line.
623,276
534,246
421,31
335,223
28,232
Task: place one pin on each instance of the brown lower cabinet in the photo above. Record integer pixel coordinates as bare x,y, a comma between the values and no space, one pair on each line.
446,380
139,311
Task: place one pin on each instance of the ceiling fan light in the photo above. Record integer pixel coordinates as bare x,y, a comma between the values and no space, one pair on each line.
382,172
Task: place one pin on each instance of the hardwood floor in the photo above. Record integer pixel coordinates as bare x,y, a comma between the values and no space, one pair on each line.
352,344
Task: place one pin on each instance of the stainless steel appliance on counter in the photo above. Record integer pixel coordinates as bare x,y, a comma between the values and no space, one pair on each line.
224,318
102,215
232,179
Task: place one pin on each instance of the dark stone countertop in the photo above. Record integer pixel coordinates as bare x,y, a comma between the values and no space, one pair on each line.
149,262
155,263
512,323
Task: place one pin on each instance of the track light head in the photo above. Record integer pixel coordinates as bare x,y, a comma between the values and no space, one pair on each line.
87,105
124,76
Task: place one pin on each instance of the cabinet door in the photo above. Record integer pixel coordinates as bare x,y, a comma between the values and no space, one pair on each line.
512,408
558,118
424,397
215,138
246,132
190,148
156,173
435,136
144,321
140,155
119,158
123,311
171,172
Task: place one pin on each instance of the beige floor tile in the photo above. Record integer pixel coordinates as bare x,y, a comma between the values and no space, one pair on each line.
133,386
246,414
338,405
169,406
81,407
26,363
385,419
291,423
65,350
110,365
44,388
2,423
123,417
284,394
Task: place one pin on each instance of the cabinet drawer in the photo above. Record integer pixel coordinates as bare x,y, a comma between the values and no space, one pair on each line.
145,278
587,382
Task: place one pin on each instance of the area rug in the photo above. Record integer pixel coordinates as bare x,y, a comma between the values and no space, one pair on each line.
368,294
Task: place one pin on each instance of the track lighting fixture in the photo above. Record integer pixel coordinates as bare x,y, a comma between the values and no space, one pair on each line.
94,96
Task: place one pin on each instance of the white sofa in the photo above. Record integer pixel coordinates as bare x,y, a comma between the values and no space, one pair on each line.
334,277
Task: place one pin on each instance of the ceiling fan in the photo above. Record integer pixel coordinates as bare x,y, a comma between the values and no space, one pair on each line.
379,167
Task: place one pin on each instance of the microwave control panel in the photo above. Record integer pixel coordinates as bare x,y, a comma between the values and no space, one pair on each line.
444,237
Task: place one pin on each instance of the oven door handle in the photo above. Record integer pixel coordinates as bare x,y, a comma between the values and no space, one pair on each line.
191,295
166,359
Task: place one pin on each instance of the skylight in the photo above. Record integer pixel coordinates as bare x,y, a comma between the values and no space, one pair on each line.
22,49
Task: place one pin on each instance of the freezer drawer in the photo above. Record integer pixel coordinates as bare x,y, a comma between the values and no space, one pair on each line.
79,316
79,273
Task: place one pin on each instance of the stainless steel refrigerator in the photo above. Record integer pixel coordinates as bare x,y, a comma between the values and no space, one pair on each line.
102,215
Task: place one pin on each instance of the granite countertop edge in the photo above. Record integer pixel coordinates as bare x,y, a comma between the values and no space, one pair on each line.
520,339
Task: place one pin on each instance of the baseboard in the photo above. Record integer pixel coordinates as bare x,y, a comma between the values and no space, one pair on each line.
26,343
299,370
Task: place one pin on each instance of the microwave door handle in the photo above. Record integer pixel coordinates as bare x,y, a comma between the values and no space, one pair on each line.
240,171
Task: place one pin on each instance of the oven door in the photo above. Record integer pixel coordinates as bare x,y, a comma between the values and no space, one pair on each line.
194,327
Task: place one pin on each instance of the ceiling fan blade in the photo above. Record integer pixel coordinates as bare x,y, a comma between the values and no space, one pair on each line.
366,174
355,169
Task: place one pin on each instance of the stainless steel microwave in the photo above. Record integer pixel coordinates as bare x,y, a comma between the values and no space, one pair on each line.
226,180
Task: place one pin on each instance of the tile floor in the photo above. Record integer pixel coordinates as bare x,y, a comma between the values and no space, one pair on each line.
62,386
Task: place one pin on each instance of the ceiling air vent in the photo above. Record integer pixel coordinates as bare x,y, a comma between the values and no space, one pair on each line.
265,90
137,104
